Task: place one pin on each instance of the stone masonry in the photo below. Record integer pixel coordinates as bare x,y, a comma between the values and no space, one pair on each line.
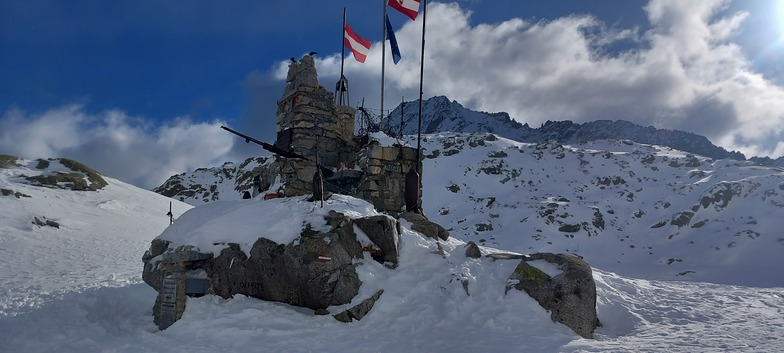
311,125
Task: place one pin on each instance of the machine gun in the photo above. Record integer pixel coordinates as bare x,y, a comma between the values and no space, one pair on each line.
277,150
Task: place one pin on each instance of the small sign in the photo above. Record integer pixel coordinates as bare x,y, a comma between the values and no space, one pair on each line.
395,168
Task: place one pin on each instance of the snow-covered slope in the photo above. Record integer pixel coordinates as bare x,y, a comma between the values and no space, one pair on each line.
639,210
227,182
55,241
424,307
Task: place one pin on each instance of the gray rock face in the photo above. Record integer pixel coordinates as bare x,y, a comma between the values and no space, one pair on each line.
382,231
314,271
472,250
440,114
423,225
360,310
569,296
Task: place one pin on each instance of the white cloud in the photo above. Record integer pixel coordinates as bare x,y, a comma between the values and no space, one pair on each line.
117,145
684,73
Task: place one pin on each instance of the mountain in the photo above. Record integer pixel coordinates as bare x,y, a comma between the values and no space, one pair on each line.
441,115
636,209
639,210
64,228
76,286
227,182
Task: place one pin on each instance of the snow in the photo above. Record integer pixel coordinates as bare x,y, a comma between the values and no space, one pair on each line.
101,238
211,226
78,288
499,192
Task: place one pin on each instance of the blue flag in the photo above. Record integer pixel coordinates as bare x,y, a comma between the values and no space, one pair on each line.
393,43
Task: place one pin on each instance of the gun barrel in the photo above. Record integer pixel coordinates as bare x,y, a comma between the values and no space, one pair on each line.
272,148
246,137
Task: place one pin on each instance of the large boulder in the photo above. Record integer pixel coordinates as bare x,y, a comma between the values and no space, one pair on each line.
382,231
316,270
428,228
570,296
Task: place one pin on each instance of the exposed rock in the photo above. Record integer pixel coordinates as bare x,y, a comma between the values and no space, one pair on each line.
316,271
598,219
46,222
382,231
9,192
720,195
360,310
423,225
483,227
81,177
569,296
472,250
681,219
506,256
8,161
570,228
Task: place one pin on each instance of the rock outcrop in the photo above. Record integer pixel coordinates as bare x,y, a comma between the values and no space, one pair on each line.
439,114
316,270
423,225
569,296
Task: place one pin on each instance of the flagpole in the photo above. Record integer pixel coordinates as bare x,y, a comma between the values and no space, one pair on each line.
343,43
383,57
421,78
339,98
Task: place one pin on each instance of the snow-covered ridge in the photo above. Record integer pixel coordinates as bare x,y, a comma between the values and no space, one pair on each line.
226,182
57,173
639,210
55,240
439,114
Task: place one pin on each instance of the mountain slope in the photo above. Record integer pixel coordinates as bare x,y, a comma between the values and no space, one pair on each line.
441,115
55,240
227,182
425,307
639,210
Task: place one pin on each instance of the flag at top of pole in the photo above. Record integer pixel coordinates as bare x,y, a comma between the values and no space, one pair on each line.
358,45
409,8
393,42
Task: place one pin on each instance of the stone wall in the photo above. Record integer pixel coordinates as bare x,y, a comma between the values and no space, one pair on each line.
383,180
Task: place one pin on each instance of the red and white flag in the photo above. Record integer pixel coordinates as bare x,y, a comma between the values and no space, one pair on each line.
409,8
358,45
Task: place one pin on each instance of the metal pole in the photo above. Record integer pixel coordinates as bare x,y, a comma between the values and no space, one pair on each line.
343,44
383,56
402,110
421,77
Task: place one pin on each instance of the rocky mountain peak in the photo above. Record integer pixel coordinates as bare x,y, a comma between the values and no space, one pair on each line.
439,114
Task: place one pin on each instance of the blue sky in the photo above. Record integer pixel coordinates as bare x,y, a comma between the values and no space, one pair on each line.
111,81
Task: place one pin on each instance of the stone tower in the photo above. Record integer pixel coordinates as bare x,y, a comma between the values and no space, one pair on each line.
311,125
310,122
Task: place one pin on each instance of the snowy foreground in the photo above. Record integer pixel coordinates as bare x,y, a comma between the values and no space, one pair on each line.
78,289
